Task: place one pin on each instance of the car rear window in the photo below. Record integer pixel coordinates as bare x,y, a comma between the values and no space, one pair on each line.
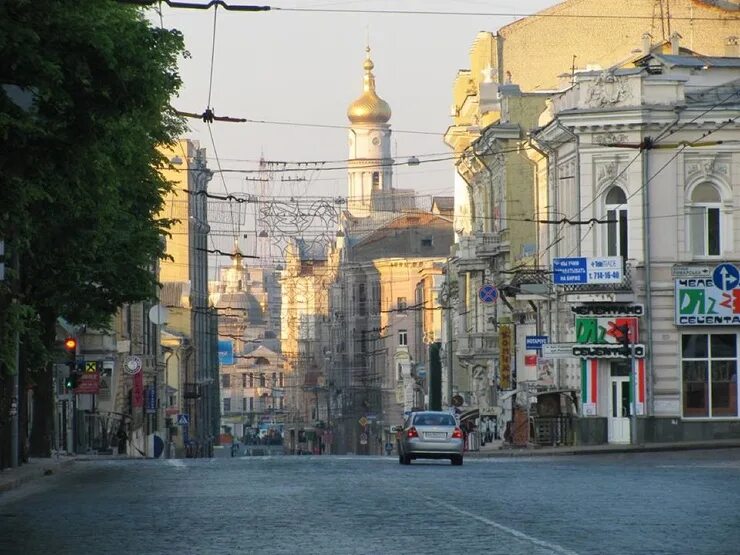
434,420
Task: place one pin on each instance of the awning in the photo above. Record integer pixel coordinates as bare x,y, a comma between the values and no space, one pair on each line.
470,414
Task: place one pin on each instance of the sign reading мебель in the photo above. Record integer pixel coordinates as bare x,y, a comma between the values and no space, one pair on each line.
587,271
709,301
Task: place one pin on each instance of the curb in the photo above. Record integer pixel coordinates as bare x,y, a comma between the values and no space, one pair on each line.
31,475
568,451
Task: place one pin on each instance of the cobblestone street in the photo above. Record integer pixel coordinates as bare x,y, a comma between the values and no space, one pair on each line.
612,504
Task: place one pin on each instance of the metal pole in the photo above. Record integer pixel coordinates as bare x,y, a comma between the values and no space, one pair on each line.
14,425
648,273
14,406
448,325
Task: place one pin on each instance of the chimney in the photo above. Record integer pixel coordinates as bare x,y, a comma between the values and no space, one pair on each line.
675,43
647,43
731,47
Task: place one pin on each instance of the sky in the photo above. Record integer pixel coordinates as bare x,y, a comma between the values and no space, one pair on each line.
306,67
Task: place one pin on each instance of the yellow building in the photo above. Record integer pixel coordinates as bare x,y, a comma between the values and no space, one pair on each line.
190,333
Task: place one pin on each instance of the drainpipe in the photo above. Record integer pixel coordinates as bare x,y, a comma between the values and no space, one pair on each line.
647,145
552,196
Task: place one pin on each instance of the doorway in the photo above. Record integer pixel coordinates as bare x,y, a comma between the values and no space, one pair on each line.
619,402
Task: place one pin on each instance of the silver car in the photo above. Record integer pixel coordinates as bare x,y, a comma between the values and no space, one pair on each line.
430,435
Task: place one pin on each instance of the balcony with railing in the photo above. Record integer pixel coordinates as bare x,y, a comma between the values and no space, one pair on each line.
490,244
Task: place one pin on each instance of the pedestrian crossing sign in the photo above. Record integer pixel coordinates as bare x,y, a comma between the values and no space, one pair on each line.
183,420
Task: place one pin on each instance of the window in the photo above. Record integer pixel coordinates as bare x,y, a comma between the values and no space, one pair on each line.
227,405
251,379
616,230
244,381
376,181
244,404
705,221
282,379
403,338
225,380
262,380
426,242
709,375
401,304
274,379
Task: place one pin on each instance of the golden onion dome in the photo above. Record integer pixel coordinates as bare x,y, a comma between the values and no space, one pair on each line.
369,108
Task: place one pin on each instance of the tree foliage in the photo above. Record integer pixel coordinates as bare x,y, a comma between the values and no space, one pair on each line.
84,105
85,87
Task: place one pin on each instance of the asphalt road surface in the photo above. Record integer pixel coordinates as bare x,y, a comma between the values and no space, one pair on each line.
672,503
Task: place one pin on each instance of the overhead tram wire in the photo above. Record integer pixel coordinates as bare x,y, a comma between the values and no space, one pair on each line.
210,117
256,8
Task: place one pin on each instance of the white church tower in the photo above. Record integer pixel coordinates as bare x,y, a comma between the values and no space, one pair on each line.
370,162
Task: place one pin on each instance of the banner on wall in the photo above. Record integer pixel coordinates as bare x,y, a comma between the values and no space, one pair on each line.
709,301
504,360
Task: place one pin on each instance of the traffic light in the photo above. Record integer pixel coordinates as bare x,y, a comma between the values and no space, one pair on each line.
70,344
70,382
624,339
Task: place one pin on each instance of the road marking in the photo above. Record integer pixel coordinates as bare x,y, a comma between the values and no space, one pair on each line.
177,463
511,531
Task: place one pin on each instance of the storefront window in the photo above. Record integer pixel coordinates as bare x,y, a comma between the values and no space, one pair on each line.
709,375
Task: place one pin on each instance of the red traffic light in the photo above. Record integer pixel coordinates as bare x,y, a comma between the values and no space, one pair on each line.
70,344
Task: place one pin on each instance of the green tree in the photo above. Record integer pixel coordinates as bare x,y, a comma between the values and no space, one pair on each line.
84,104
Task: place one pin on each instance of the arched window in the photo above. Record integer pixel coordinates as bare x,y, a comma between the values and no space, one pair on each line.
705,220
616,229
376,181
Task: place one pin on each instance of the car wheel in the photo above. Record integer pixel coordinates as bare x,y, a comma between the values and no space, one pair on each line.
400,459
457,460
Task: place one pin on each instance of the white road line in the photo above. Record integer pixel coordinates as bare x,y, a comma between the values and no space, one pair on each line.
177,463
511,531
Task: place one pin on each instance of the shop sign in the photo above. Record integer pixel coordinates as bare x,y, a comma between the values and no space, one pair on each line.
604,337
587,271
709,301
504,358
530,360
608,310
608,351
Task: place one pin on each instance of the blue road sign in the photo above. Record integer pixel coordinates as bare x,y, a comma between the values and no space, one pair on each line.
225,352
535,342
726,277
570,271
183,419
488,293
151,400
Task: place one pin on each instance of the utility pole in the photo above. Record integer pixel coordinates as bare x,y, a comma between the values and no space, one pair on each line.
448,325
14,424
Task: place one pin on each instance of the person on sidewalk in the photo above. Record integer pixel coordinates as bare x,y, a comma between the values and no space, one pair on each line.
122,438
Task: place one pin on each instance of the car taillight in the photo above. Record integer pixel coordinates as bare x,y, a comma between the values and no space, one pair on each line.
412,433
457,433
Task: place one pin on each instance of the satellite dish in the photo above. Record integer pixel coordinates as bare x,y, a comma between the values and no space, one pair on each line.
158,315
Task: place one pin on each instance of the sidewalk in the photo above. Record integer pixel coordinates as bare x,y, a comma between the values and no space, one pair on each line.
497,449
12,478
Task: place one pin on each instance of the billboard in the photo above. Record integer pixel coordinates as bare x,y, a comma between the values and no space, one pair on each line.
709,301
225,352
